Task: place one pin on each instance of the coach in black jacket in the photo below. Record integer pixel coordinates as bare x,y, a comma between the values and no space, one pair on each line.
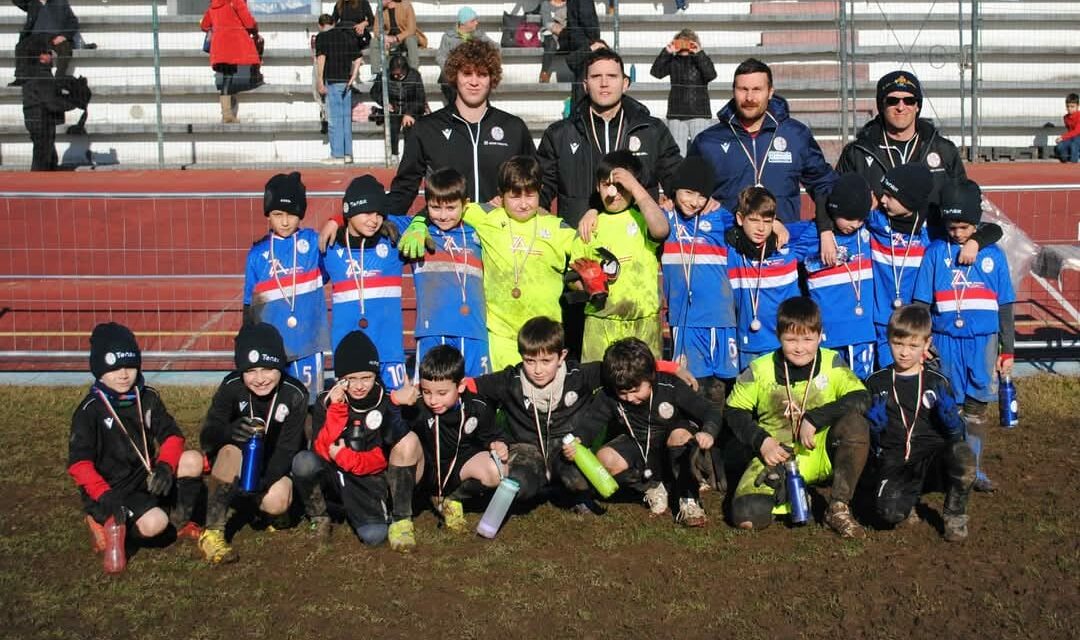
52,19
608,121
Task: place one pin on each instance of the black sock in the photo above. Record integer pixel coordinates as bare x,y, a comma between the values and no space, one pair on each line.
187,493
685,484
219,496
470,488
402,481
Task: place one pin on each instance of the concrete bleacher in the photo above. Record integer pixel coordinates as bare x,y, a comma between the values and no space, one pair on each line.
1025,66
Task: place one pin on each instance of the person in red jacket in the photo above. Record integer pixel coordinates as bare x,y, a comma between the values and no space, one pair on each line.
126,453
234,57
1068,145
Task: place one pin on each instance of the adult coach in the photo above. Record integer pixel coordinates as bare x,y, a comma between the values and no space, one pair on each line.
757,142
469,135
607,121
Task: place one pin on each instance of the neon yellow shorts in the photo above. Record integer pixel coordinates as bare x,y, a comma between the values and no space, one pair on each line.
503,352
814,465
601,332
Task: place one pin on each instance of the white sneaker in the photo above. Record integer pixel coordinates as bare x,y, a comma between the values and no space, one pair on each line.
656,498
691,514
348,159
332,160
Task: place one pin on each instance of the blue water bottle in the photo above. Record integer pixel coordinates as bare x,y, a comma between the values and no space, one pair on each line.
633,73
1007,405
251,468
796,491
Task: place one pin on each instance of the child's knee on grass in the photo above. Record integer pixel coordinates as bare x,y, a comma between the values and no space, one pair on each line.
152,523
612,461
227,463
190,465
277,498
481,467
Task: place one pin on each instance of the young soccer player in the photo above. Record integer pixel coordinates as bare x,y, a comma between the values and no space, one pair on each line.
459,435
258,396
450,280
800,400
360,433
914,421
365,271
658,416
126,453
974,329
762,273
525,253
844,292
628,233
283,281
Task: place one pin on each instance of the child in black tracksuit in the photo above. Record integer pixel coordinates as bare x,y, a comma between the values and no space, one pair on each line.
659,419
257,396
914,422
126,453
459,436
358,427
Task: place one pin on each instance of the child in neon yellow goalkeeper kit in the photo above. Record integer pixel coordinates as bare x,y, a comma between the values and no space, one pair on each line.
799,400
524,250
625,243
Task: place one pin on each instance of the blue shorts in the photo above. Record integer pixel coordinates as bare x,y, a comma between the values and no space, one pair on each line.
746,357
309,370
709,351
969,365
393,375
477,362
859,357
884,353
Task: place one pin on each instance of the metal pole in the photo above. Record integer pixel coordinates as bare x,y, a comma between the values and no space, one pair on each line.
841,39
853,87
385,75
155,26
962,64
615,36
974,80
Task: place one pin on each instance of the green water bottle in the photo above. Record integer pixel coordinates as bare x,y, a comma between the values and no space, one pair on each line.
598,476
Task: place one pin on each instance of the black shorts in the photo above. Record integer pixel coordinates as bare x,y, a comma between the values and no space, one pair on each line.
431,479
136,501
626,447
364,498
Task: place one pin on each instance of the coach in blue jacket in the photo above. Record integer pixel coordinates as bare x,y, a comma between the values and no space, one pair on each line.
757,142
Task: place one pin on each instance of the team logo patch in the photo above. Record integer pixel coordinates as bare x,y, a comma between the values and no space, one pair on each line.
382,251
987,264
779,143
869,161
243,405
933,160
634,144
929,399
632,229
545,234
571,398
497,134
345,207
446,133
706,226
430,422
864,234
110,358
281,413
470,425
373,420
573,148
666,410
253,356
302,246
108,423
821,381
724,146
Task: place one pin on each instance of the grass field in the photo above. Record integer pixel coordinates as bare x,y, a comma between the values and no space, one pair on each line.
551,574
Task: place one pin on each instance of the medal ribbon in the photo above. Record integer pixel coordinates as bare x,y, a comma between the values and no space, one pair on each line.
144,455
908,429
796,420
274,272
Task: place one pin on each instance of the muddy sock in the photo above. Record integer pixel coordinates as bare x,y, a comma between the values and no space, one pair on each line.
307,476
187,493
975,417
849,445
960,470
631,479
218,497
402,481
527,468
468,489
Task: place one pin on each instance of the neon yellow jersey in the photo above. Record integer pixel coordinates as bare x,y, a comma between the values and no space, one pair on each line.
635,294
528,257
758,390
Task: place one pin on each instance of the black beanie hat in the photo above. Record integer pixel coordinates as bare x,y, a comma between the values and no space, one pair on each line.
850,198
112,347
364,195
898,81
285,193
259,345
910,184
961,202
356,353
695,173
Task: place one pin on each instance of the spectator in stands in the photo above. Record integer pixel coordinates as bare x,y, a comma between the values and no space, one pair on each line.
582,37
337,61
53,19
233,53
407,99
1068,145
467,28
355,15
553,21
689,110
41,112
757,142
403,36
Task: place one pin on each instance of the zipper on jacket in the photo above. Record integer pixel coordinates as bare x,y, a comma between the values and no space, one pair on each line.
475,158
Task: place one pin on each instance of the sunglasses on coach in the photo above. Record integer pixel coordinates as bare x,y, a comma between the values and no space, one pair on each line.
892,101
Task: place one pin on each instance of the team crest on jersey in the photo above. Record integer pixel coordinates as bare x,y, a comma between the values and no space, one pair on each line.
446,133
634,144
545,234
571,398
864,233
987,264
497,134
779,143
632,229
281,413
706,226
373,420
302,246
573,148
929,399
381,250
933,160
108,423
821,382
724,146
666,410
470,425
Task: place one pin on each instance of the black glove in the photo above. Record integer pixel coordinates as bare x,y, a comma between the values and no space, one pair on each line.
113,507
161,480
244,428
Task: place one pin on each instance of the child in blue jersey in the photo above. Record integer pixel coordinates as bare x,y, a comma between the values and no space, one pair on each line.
845,291
449,279
971,307
283,281
365,271
761,274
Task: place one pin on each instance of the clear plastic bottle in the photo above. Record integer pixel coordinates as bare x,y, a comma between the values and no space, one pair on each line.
115,560
595,472
496,510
